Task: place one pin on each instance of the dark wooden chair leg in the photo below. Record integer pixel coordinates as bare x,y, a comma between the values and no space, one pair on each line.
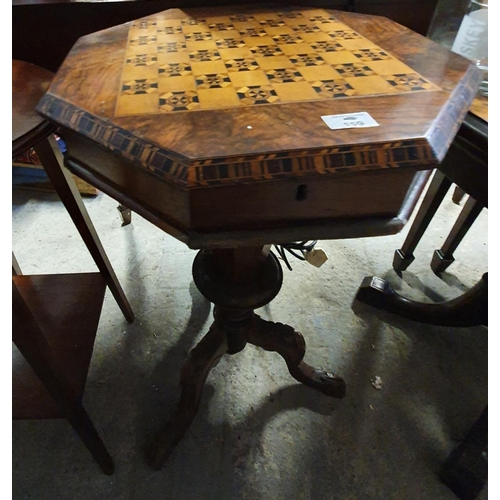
465,471
66,189
435,193
458,195
125,215
443,257
470,309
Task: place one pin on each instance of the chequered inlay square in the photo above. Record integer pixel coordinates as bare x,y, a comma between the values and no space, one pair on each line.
266,50
193,22
178,101
198,36
195,64
322,19
257,95
142,86
286,39
241,65
174,69
307,28
323,46
252,32
213,81
371,55
204,55
142,60
143,40
221,27
345,35
353,69
171,47
230,43
169,30
144,24
307,60
273,23
284,75
411,82
333,88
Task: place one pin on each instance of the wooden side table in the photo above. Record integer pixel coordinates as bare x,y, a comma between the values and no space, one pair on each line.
55,317
215,124
54,323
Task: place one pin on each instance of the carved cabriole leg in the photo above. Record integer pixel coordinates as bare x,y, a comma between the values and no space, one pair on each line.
290,344
194,372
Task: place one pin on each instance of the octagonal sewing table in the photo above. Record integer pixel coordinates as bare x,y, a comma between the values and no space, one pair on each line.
238,127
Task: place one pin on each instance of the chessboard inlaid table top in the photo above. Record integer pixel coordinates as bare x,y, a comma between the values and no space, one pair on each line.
209,121
217,86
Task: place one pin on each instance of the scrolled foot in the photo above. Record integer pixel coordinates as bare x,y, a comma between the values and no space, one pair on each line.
290,345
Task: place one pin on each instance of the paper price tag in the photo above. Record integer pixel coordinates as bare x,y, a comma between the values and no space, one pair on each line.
351,120
317,257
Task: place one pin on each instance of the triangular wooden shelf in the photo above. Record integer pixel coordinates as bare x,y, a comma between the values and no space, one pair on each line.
67,307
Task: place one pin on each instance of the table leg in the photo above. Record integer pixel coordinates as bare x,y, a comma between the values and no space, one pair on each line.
435,193
237,281
443,257
291,345
194,373
125,215
458,195
66,189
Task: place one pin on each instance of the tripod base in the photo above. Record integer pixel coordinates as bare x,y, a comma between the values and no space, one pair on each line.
253,278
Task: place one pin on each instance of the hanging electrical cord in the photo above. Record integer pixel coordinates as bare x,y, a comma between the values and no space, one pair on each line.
293,248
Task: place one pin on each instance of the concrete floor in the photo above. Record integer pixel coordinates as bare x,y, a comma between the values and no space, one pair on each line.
258,433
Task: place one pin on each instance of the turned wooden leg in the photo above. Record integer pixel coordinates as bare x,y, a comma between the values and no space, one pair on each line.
470,309
291,345
443,257
194,373
435,193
